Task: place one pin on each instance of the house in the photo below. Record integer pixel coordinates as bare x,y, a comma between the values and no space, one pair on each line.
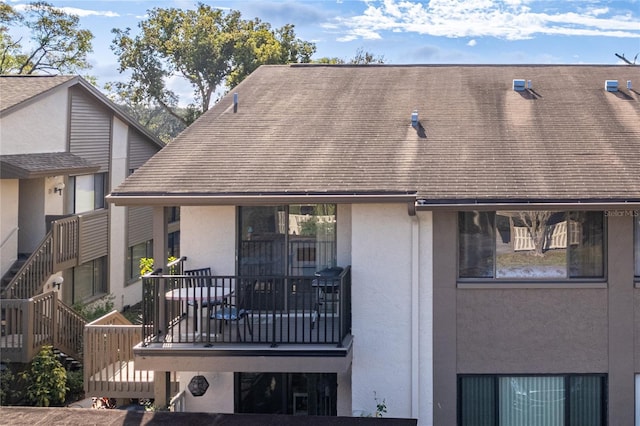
64,146
484,219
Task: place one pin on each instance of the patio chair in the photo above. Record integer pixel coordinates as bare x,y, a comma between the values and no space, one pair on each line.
201,278
238,311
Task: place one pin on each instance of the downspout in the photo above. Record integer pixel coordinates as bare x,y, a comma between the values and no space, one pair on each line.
415,316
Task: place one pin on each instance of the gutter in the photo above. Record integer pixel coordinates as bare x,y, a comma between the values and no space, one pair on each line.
537,205
256,199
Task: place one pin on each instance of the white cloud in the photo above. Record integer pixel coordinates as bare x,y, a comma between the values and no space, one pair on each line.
472,43
75,11
505,19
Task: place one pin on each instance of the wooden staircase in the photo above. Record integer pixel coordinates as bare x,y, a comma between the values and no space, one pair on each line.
31,319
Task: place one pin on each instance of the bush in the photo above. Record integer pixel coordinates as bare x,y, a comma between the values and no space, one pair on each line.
94,310
75,385
7,380
47,379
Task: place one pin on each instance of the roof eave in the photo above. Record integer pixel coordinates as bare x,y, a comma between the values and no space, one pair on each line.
256,198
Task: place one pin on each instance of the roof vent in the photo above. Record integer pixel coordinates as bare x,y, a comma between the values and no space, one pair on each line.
611,85
414,118
628,84
519,85
529,85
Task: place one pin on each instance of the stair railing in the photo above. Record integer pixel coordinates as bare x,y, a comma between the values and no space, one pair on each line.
58,250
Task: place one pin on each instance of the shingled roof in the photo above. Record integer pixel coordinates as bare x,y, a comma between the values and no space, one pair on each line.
345,131
19,88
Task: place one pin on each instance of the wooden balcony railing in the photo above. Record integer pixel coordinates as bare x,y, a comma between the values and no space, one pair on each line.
274,310
29,324
109,369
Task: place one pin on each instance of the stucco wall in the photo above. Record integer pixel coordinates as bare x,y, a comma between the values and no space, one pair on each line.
8,224
387,359
131,294
208,238
532,331
39,127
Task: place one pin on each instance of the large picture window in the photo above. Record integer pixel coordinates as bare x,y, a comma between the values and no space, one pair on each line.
531,245
573,400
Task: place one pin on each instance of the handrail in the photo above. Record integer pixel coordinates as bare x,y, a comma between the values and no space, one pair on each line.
9,236
178,402
37,321
276,309
58,250
32,276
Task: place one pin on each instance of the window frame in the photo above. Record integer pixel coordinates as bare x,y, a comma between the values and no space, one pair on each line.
100,190
132,270
469,282
604,385
99,279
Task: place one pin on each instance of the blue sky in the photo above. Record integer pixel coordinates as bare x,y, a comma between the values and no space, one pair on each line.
409,31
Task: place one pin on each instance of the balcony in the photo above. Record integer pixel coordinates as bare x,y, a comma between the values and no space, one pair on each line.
275,311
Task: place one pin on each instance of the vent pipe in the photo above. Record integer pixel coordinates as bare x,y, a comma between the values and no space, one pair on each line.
611,85
235,102
519,85
414,119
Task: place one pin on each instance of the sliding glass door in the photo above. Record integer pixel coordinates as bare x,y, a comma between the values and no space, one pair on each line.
300,394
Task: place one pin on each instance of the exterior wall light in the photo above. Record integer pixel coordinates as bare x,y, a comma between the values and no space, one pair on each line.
58,188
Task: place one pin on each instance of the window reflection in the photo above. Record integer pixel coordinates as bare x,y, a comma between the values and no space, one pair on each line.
531,245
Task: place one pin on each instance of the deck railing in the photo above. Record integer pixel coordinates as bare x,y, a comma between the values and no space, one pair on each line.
267,309
109,369
29,324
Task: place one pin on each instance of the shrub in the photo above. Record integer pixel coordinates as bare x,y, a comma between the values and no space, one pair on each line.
47,379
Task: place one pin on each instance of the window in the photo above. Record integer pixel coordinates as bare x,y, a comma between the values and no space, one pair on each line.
636,226
86,192
573,400
89,280
279,240
173,241
299,394
136,253
531,245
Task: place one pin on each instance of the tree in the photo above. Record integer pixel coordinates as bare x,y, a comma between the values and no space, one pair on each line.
361,57
154,118
206,47
58,44
536,223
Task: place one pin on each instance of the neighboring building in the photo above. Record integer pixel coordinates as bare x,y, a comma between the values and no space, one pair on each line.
485,218
63,147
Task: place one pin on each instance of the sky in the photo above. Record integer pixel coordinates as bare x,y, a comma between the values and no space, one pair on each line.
407,31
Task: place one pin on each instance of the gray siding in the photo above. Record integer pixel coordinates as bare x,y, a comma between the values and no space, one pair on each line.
94,236
140,225
140,149
90,130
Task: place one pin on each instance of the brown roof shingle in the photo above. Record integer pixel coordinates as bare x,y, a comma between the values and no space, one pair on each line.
347,130
16,89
